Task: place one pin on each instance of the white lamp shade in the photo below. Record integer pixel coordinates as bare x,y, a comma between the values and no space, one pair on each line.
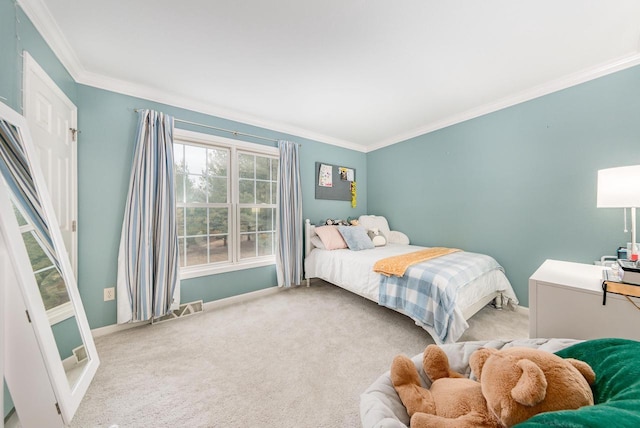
619,187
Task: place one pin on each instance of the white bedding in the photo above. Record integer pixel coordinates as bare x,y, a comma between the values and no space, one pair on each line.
353,271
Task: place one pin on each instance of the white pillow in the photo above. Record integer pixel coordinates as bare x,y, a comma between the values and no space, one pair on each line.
375,222
331,237
396,237
317,242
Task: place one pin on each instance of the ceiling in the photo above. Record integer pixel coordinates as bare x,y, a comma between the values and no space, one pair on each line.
361,74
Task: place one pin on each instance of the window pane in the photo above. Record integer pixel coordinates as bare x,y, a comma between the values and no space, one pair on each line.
265,219
217,160
195,159
265,244
196,221
178,154
179,178
180,221
37,256
263,169
263,194
218,221
274,169
179,171
246,165
246,192
196,251
247,245
52,288
248,219
274,193
195,188
217,190
181,249
218,249
18,214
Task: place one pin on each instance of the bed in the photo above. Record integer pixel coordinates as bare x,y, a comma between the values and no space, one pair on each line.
353,271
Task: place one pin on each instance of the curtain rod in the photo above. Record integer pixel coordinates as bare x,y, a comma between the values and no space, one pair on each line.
236,133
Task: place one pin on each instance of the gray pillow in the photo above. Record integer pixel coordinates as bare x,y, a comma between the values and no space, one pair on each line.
356,237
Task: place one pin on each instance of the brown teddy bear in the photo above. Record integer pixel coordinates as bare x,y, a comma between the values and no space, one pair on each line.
513,385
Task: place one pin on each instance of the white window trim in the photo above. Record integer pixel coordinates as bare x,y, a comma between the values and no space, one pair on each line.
182,135
60,313
63,311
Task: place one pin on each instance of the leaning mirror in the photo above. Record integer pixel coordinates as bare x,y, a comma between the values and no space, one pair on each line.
44,275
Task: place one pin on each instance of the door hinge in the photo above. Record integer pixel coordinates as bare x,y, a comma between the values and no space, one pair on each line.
74,134
28,317
73,226
58,408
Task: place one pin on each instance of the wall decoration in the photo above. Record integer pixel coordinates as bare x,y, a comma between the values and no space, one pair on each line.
354,195
346,174
325,176
334,182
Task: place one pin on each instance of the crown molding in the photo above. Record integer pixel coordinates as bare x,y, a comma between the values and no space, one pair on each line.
526,95
187,103
39,14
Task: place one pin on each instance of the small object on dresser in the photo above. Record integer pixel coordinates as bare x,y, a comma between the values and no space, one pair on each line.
630,272
612,283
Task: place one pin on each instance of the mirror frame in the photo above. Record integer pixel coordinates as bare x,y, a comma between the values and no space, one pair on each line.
68,396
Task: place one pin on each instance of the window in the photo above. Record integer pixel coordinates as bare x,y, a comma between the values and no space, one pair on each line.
225,203
51,284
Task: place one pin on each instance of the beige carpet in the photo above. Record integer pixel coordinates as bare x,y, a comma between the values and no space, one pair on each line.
297,358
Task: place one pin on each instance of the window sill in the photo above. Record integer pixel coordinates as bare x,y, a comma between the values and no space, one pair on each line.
60,313
198,271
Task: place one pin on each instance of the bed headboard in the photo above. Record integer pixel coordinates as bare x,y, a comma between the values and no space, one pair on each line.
309,232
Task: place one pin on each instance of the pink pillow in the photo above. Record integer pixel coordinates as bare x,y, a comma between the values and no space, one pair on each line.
330,237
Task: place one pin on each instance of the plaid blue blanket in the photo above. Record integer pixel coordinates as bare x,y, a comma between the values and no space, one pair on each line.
427,291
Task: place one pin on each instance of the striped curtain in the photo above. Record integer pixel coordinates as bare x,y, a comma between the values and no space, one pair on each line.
289,224
148,263
14,167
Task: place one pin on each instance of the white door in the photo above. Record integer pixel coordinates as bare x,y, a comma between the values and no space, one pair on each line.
52,120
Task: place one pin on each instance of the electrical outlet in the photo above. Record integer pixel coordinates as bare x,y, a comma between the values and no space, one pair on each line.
109,294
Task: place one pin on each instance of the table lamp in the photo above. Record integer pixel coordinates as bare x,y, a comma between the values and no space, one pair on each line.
620,188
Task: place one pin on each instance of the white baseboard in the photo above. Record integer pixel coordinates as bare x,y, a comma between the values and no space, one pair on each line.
114,328
221,303
214,304
523,310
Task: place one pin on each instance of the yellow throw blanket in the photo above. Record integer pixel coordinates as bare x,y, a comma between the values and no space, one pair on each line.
397,265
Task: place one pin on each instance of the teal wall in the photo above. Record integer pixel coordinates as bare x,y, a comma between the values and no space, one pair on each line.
8,403
518,184
16,37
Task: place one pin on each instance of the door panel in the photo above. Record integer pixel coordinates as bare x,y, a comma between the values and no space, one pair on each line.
52,120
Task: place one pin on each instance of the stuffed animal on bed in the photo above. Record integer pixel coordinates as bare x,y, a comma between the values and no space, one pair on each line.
513,385
376,237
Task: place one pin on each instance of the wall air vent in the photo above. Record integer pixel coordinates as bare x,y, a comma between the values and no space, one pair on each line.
184,310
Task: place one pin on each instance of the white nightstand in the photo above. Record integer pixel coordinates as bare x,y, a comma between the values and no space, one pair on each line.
565,300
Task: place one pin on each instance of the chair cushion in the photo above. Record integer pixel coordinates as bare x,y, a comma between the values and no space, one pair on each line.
616,392
380,406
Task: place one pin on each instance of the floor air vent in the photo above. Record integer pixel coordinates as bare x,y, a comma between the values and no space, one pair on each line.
184,310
